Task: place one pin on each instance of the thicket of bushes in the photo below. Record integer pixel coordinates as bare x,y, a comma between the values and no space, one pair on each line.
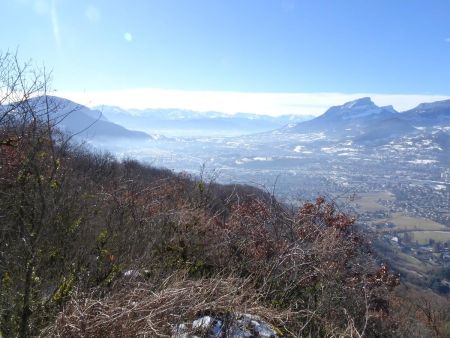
94,247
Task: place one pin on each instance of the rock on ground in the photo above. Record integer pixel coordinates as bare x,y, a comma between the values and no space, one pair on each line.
230,326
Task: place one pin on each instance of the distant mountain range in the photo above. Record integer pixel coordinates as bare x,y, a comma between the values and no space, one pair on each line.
180,122
360,120
364,121
81,121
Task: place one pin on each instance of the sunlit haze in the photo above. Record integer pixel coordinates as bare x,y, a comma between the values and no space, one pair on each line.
272,57
233,102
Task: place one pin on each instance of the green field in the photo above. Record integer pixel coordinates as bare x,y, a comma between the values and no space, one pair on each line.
403,222
369,202
411,263
406,264
423,237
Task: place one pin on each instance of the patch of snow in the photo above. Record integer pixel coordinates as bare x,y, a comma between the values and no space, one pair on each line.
242,160
132,273
328,150
363,113
422,161
239,326
202,323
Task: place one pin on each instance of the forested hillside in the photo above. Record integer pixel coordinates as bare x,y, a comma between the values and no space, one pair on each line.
91,246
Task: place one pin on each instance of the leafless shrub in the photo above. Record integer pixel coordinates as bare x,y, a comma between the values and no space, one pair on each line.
141,310
421,313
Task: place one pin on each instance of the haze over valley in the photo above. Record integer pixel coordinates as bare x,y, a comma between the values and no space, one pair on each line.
381,163
226,168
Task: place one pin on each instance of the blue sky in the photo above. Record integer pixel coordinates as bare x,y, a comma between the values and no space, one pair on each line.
398,49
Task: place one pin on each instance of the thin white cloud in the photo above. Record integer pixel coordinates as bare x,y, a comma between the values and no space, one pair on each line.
92,13
41,7
448,39
55,24
47,8
233,102
128,37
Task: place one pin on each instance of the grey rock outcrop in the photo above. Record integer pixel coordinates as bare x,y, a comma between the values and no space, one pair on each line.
230,326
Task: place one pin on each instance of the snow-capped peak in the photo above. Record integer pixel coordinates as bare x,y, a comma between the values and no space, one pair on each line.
357,109
363,102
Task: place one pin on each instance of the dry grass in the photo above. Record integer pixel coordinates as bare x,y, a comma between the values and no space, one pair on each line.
134,310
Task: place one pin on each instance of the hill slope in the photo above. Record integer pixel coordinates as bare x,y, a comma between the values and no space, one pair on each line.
429,114
77,119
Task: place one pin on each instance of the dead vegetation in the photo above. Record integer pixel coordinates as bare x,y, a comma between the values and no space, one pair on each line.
136,309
